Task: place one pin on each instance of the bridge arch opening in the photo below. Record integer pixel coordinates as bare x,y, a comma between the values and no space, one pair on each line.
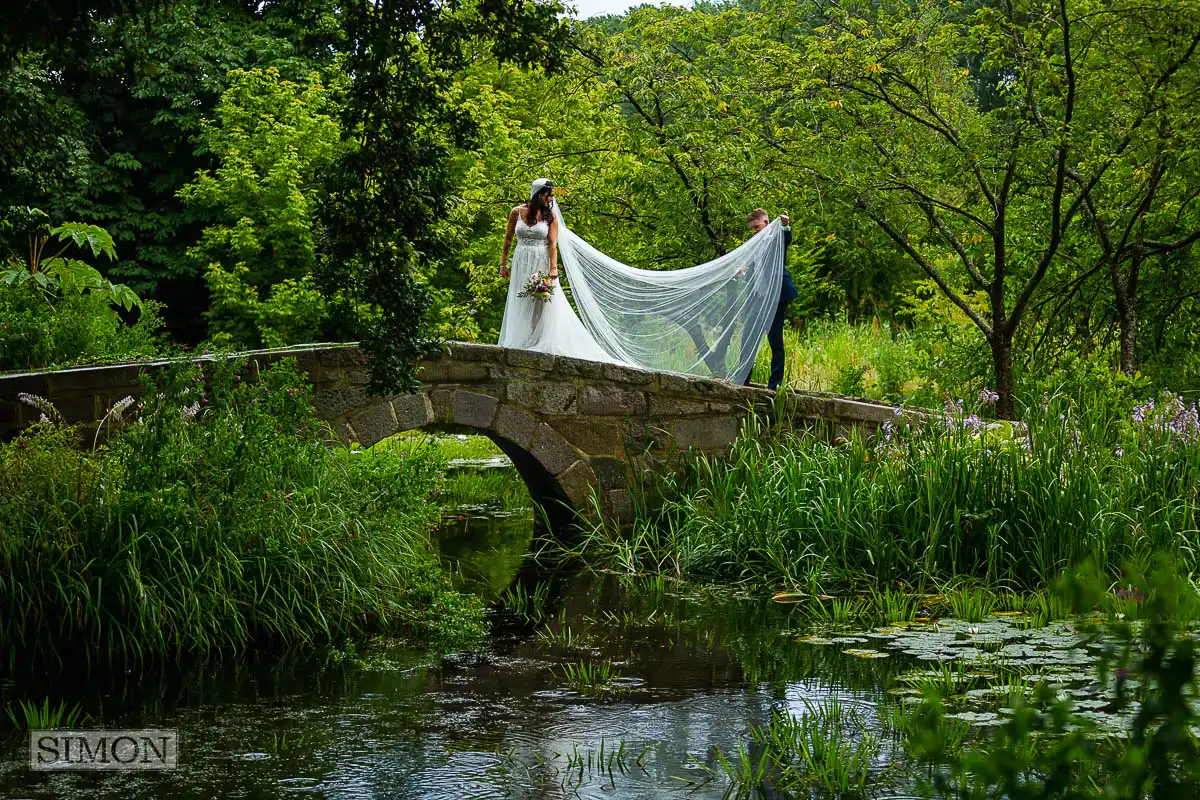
557,475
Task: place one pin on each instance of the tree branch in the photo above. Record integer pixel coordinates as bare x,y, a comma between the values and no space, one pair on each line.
929,269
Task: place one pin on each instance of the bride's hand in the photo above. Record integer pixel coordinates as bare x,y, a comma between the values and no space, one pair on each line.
504,272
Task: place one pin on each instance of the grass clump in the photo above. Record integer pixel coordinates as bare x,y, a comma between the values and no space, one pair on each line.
214,519
27,715
591,678
826,748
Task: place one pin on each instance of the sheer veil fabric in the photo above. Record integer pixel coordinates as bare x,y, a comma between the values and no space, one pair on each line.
704,320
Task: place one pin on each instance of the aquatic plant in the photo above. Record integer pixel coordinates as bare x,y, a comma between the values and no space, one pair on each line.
827,747
280,743
607,759
893,605
591,678
526,604
1048,749
28,715
971,604
563,637
1044,607
839,611
944,678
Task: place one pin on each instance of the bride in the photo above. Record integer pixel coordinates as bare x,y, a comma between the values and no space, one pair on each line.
529,323
704,320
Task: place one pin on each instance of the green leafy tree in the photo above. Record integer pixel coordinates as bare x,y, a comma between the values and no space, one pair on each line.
393,183
42,136
660,144
1145,209
967,135
131,93
271,138
530,125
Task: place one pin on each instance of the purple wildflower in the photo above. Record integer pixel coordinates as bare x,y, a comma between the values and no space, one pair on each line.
988,397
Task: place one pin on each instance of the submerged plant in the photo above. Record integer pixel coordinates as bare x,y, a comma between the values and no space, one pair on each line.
607,759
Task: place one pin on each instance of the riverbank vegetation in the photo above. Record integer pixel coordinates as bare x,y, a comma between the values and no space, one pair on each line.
215,517
925,504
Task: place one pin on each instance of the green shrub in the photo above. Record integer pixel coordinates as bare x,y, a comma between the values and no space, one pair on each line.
850,381
75,329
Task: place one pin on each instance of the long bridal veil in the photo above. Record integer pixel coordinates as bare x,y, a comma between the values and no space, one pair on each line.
704,320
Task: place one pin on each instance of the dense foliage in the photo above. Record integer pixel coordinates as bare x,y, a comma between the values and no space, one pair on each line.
215,518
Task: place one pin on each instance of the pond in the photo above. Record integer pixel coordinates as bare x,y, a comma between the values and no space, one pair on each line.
591,686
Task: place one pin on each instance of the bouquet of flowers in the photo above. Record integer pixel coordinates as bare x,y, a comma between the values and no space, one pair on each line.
539,286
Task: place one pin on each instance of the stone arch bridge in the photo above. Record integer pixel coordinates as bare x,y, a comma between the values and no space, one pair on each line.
578,431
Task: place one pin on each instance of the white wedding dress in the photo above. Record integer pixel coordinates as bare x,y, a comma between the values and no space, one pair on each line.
546,326
705,320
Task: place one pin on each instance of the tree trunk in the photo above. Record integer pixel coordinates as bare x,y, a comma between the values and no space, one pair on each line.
1002,363
1127,313
1128,321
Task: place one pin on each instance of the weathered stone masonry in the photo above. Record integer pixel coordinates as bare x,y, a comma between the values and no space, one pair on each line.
568,425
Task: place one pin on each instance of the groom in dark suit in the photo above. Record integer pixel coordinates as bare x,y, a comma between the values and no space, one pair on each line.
758,220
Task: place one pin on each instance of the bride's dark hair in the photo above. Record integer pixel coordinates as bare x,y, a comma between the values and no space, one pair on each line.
542,209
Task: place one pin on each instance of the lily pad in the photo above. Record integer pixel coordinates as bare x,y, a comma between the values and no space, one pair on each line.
859,653
975,717
814,640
